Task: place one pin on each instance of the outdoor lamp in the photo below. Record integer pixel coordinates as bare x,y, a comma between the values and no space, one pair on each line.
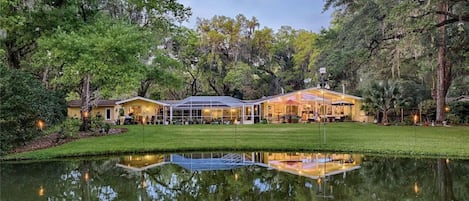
41,191
40,124
416,188
86,176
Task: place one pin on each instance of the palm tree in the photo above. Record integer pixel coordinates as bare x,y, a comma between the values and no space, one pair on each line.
382,96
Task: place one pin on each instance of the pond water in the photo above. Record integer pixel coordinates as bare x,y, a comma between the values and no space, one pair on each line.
237,176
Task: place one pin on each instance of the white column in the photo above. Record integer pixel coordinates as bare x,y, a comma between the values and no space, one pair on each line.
170,114
242,115
252,113
164,115
222,109
259,110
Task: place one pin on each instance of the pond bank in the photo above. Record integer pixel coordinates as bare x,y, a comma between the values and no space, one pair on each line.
412,141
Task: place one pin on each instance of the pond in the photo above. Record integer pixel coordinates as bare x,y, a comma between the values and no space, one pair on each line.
237,176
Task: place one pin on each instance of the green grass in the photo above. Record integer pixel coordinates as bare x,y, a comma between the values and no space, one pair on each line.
342,137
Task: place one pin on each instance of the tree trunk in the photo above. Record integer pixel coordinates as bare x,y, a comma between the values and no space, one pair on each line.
13,56
85,103
445,183
144,86
444,66
45,78
385,118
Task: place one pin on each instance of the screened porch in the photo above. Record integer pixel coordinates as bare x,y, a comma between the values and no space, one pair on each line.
211,110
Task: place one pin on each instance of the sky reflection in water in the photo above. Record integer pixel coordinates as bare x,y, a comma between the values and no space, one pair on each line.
237,176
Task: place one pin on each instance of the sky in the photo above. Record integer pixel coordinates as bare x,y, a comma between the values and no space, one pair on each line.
299,14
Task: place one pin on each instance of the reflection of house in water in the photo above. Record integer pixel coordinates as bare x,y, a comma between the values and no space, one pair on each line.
139,163
312,165
191,161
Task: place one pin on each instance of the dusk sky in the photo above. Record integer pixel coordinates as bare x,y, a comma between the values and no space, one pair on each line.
299,14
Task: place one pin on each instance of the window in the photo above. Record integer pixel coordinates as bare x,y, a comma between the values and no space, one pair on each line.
108,113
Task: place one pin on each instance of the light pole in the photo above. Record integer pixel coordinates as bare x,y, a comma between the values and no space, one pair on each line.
323,85
143,132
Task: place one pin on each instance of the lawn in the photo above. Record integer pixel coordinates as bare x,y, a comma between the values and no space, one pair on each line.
343,137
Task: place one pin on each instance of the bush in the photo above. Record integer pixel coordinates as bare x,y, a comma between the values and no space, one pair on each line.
24,101
107,127
452,119
460,110
428,110
69,128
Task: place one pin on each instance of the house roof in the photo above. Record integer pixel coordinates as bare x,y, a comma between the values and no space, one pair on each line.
208,101
170,102
207,164
305,95
101,103
143,99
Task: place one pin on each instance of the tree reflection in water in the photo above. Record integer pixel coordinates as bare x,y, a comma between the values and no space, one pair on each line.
379,178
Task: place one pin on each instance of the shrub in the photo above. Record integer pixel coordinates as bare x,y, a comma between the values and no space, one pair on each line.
461,112
428,110
107,127
452,119
69,128
24,101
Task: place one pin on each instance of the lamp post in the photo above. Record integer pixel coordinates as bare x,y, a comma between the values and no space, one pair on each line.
323,85
86,121
143,131
235,125
415,127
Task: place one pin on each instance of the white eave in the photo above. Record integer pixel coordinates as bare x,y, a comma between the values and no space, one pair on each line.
262,100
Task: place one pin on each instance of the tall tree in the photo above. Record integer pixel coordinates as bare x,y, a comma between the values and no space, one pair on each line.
160,71
402,34
305,57
184,44
86,46
102,57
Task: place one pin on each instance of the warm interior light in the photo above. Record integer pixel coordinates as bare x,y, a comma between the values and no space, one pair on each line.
415,119
447,109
